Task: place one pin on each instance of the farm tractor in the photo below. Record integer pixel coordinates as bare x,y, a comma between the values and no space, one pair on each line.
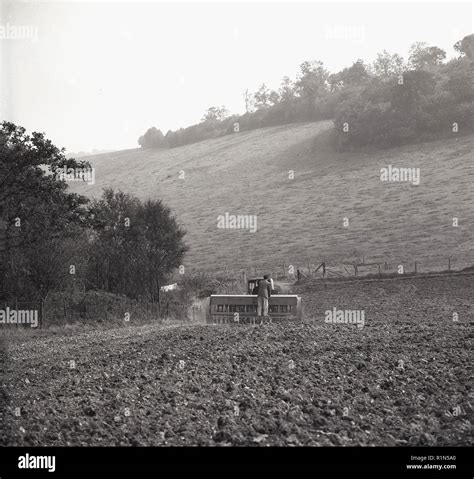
242,308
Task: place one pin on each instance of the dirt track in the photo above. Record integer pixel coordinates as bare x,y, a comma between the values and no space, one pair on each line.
402,379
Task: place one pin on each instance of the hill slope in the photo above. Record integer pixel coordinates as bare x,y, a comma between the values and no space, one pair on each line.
301,219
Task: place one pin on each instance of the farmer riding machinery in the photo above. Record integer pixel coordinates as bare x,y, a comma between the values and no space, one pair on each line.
242,308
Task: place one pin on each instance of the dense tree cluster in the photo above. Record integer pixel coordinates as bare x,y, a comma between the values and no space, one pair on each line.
51,239
402,102
387,102
153,138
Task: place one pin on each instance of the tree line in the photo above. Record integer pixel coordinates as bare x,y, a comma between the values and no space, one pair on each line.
387,102
53,240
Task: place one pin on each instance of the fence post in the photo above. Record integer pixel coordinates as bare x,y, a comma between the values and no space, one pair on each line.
379,269
158,290
15,306
449,264
416,270
41,313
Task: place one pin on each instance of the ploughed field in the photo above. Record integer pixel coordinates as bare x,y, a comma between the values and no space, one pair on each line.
401,379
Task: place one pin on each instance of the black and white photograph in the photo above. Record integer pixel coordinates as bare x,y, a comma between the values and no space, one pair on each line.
239,229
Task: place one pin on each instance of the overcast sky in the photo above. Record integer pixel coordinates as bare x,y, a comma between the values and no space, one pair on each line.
97,75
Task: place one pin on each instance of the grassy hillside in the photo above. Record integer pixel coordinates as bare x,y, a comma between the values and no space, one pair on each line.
301,219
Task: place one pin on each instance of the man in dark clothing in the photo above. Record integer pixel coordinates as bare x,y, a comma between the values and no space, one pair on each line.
264,293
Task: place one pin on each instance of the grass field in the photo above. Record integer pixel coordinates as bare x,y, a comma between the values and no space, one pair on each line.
301,219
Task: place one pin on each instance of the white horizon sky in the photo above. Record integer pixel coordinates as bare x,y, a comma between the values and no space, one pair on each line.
97,75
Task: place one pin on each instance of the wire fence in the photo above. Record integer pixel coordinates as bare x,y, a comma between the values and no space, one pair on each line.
361,267
90,307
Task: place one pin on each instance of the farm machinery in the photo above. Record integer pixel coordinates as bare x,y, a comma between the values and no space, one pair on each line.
242,308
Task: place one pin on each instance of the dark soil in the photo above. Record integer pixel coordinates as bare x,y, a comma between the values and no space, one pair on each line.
402,379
